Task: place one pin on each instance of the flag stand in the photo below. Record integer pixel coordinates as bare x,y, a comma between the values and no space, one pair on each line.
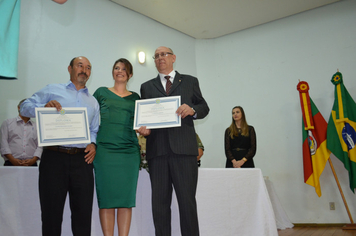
348,226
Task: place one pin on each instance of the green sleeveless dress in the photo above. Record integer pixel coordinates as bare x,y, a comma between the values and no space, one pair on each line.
117,159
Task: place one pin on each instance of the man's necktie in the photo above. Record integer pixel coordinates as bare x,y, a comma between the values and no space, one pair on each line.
168,84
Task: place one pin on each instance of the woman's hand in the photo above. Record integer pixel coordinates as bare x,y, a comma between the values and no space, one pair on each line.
237,164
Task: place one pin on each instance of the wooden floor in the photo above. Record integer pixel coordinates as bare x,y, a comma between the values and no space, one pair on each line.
316,231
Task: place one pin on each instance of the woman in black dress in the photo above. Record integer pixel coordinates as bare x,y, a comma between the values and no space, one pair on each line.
240,141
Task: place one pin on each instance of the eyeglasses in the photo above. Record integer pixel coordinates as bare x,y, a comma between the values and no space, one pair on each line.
162,54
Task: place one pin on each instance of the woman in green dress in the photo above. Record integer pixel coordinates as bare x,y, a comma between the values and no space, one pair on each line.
117,159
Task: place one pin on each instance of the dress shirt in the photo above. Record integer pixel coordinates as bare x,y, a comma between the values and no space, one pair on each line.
164,80
19,139
68,96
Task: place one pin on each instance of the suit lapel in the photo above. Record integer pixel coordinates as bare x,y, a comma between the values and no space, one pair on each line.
176,82
157,83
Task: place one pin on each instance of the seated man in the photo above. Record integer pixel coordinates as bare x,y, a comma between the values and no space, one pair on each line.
19,146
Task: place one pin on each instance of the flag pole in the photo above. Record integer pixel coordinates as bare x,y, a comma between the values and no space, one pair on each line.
348,226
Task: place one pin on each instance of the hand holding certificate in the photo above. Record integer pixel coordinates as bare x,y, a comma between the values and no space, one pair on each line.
68,126
156,113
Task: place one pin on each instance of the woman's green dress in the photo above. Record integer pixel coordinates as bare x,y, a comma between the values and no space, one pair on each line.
117,159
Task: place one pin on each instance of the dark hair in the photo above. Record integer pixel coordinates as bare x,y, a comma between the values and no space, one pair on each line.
72,62
21,102
244,126
128,66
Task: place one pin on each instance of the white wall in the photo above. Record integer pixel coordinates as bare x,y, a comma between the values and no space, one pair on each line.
52,34
258,68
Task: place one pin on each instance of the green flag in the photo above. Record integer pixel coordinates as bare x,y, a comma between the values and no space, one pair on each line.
341,134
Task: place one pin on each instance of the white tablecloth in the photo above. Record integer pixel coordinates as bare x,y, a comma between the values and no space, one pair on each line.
282,219
230,202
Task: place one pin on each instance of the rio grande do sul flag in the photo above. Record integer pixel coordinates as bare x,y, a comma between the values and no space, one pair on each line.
341,134
315,153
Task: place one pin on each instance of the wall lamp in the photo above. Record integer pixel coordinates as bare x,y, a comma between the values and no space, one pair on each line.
59,1
141,57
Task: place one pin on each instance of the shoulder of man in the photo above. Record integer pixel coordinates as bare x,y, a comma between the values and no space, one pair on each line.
93,100
49,88
186,77
10,120
148,81
59,84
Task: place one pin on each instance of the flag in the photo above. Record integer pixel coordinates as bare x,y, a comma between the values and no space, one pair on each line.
341,135
315,153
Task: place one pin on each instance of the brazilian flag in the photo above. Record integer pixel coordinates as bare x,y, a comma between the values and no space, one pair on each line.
341,134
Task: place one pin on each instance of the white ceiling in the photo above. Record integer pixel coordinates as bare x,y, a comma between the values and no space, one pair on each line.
204,19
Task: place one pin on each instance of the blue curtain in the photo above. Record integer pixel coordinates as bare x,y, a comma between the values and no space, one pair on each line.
9,37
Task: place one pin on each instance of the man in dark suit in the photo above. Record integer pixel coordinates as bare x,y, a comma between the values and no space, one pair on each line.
172,152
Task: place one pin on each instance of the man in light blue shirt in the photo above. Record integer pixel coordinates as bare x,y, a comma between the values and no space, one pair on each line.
69,168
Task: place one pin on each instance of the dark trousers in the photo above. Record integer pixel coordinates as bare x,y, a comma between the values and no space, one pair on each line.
8,163
180,172
59,174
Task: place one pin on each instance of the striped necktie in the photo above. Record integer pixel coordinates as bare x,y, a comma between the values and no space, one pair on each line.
168,84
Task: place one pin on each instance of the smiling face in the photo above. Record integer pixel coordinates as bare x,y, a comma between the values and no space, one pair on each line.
79,71
236,114
120,73
164,64
122,70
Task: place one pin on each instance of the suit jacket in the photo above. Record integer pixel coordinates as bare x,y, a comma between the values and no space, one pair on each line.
181,140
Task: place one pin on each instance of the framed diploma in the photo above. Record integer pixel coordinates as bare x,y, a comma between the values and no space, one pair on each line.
68,126
156,113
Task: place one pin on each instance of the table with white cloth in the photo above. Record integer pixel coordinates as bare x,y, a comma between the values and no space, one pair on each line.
282,219
230,202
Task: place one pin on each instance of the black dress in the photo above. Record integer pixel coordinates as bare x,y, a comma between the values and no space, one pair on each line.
240,147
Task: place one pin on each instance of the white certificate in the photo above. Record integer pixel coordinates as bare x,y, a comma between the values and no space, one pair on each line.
68,126
156,113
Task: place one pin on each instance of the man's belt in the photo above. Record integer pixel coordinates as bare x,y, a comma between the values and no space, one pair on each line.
239,149
68,150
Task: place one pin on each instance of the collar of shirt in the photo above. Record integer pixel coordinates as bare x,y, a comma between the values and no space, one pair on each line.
70,85
164,81
19,119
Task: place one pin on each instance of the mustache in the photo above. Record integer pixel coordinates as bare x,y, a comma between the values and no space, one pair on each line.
83,74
